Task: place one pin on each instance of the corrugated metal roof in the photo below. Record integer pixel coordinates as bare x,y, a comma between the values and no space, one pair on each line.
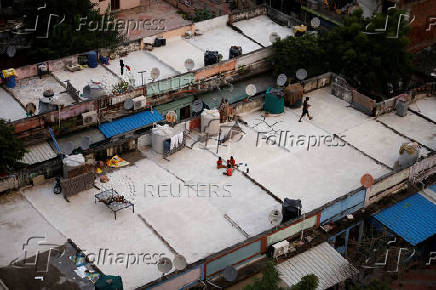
94,134
323,261
413,218
130,123
38,153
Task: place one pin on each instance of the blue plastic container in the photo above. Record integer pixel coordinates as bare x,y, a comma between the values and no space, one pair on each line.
92,59
167,145
10,82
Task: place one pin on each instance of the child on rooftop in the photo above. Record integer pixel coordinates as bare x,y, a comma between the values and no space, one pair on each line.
229,170
219,163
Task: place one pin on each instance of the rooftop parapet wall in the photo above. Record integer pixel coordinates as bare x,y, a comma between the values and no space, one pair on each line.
238,15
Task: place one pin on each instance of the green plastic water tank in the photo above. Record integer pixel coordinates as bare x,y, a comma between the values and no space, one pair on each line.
274,101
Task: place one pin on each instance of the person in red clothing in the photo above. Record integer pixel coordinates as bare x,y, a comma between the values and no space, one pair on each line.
232,161
229,170
219,163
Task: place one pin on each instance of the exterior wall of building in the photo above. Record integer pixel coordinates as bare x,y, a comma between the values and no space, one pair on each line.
423,29
343,206
102,5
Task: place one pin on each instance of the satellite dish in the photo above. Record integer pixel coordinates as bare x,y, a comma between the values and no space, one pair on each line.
275,217
128,104
301,74
281,79
230,273
189,64
251,90
164,265
30,109
367,180
274,37
85,142
155,73
11,50
171,116
197,106
68,148
179,262
315,22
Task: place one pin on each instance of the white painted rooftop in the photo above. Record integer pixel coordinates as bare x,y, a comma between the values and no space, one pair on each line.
141,61
92,227
80,79
30,90
260,28
426,107
412,126
221,39
201,224
10,109
176,51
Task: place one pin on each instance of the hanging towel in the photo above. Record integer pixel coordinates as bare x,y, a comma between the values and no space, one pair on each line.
180,137
174,142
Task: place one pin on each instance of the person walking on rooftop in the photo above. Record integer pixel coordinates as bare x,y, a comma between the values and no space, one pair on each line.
305,109
122,66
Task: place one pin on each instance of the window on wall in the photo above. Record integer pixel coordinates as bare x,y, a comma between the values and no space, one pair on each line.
340,240
115,4
185,112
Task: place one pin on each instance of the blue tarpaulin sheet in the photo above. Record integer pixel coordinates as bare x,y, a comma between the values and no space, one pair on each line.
129,123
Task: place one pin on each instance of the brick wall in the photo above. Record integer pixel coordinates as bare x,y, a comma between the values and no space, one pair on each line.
363,103
215,69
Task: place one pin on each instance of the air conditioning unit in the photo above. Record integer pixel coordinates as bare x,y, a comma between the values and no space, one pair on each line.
90,117
139,102
280,248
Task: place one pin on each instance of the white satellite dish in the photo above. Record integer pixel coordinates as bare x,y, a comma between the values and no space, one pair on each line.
128,104
281,79
230,273
301,74
189,64
179,262
155,73
164,265
68,148
274,37
85,142
315,22
11,50
251,90
275,217
197,106
30,109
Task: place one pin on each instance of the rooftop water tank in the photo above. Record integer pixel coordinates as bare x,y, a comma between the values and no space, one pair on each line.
210,121
92,59
291,209
274,101
158,136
